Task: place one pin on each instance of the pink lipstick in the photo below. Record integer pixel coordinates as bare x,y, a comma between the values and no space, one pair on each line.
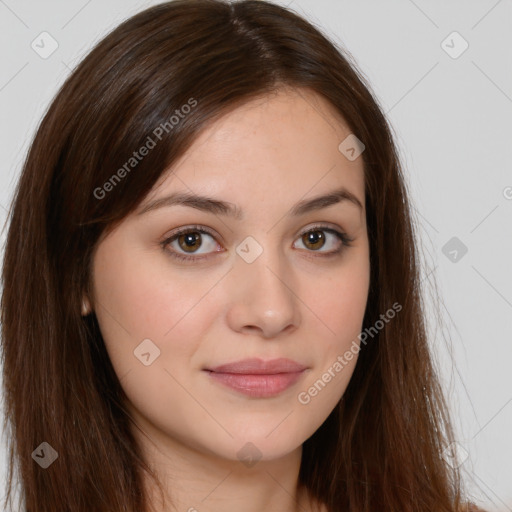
258,378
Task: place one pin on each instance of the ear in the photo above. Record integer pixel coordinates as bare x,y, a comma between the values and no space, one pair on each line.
86,306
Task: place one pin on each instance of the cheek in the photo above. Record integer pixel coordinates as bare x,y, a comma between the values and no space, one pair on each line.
341,303
141,305
136,299
339,308
128,300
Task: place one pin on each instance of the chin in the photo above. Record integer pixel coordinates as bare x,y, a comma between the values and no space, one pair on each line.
251,447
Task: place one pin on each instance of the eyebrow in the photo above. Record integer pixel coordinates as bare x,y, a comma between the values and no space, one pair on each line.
218,207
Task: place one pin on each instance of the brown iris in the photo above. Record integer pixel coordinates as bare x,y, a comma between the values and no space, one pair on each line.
192,241
315,239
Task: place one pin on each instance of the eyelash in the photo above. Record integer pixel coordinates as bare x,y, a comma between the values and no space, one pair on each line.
343,237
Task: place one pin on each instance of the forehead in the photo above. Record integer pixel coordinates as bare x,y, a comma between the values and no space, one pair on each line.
287,116
282,144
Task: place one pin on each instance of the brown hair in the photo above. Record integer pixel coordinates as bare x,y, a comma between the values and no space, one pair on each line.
380,448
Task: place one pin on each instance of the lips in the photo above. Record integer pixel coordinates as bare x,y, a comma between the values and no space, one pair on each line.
257,366
258,378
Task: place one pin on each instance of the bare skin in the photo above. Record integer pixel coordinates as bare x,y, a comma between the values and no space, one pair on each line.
291,301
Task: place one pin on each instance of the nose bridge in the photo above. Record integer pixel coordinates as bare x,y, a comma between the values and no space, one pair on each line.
263,295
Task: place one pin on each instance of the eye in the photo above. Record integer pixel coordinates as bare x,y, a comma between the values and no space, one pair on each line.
318,237
189,240
184,244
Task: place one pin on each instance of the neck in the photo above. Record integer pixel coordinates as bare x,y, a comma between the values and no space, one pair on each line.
194,481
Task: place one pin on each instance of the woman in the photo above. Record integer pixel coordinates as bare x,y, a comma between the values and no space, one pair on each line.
211,287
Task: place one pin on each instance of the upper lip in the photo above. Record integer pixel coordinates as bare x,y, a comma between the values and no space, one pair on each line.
255,366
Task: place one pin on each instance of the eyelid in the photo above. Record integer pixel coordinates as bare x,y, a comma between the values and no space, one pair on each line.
191,228
320,226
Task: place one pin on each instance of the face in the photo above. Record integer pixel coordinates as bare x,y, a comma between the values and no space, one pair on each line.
262,272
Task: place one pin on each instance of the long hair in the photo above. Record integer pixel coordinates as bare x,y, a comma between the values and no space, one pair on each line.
381,447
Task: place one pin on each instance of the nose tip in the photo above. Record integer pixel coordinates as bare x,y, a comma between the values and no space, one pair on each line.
262,301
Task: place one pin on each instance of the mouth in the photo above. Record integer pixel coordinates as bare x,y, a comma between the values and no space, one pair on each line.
257,378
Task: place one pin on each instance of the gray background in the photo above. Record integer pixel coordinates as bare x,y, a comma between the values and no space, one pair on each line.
451,117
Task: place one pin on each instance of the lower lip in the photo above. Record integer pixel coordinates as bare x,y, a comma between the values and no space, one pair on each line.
258,386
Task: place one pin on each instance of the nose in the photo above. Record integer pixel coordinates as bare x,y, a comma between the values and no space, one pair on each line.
262,297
